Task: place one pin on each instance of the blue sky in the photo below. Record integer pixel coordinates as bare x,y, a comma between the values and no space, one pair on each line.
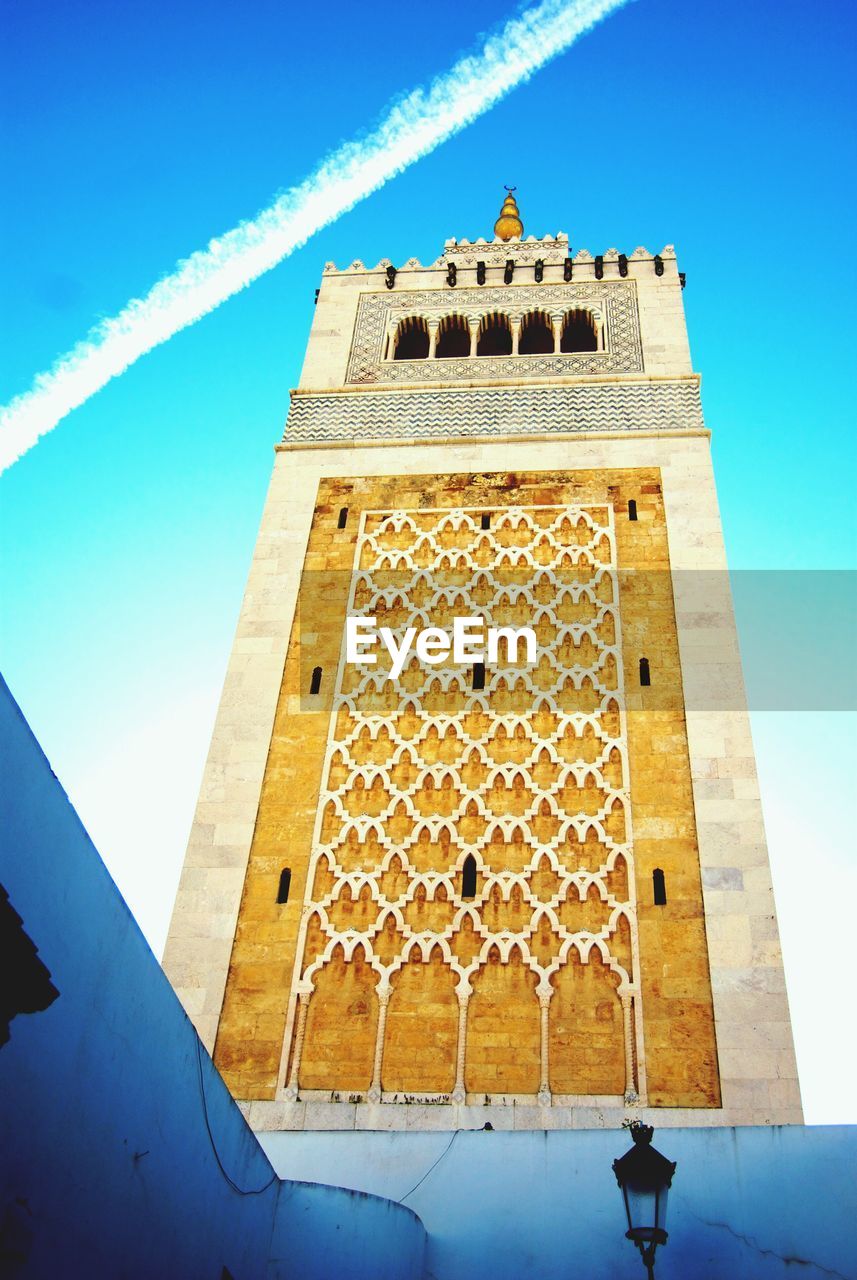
136,132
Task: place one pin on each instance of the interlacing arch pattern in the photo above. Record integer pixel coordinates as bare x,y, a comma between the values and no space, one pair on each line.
529,776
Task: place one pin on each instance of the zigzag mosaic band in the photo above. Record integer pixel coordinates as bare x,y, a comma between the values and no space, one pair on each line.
500,411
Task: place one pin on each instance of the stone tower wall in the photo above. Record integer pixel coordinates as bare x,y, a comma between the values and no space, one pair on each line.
377,982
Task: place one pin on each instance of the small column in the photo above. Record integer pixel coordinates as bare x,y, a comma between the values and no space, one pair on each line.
300,1031
375,1086
544,1097
516,335
556,325
459,1093
474,335
432,328
631,1095
598,323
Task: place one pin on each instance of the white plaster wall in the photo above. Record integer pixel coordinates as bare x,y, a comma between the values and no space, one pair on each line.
745,1204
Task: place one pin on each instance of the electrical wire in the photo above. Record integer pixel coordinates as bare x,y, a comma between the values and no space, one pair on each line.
241,1191
234,1185
429,1169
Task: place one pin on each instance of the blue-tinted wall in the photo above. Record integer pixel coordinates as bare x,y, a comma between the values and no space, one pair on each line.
107,1168
746,1204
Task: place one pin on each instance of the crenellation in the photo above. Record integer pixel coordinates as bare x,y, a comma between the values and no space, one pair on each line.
335,326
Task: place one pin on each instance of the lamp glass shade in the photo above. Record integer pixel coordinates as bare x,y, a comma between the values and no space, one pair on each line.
647,1212
645,1176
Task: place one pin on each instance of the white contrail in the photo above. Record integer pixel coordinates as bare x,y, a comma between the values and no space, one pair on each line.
412,128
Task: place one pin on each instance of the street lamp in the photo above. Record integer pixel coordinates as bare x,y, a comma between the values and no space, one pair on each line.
644,1176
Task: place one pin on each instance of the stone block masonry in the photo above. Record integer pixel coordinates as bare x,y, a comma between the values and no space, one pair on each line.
437,780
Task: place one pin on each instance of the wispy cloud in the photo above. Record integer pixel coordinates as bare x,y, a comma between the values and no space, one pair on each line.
412,128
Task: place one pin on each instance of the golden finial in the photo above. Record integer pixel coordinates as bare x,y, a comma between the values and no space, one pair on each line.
509,223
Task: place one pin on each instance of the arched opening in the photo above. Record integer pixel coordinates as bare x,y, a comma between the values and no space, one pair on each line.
495,336
315,681
453,338
659,887
536,335
343,518
586,1053
412,339
344,998
421,1033
632,509
645,673
468,877
503,1004
579,332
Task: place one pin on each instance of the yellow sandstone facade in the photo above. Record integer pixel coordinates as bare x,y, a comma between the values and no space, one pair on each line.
535,887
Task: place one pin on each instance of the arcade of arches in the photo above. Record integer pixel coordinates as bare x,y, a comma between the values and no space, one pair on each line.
496,334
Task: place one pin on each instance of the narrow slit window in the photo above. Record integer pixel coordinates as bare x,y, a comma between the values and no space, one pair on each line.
479,675
659,887
486,522
343,518
315,682
468,877
645,674
632,509
285,885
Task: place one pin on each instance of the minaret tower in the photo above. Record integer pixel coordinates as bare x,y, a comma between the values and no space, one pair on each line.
534,891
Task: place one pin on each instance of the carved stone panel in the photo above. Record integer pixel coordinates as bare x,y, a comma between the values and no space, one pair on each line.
473,856
379,313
